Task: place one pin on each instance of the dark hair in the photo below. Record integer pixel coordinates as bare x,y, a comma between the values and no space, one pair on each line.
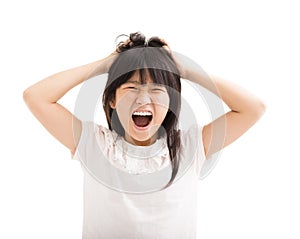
137,54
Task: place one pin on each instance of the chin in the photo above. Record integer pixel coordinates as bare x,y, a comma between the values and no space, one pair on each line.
143,137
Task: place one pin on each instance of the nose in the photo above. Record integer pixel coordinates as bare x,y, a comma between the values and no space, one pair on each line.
143,98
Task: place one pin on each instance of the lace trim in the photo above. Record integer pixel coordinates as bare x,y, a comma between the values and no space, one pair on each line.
129,158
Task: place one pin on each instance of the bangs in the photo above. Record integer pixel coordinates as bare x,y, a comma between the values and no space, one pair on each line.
164,77
158,62
157,76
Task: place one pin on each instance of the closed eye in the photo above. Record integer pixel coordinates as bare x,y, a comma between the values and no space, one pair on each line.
158,90
131,87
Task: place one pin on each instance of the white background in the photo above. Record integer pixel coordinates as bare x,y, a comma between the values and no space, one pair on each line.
254,190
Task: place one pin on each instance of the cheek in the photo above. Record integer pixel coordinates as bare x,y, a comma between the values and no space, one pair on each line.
161,107
124,100
161,101
124,103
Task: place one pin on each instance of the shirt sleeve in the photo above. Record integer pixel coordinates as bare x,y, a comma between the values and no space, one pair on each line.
194,143
87,130
93,145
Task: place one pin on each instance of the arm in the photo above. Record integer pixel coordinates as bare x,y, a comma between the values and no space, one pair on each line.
245,110
42,97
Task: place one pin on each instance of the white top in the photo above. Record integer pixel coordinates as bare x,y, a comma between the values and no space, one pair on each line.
123,195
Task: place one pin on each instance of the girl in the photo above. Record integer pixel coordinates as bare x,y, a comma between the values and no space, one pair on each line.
140,173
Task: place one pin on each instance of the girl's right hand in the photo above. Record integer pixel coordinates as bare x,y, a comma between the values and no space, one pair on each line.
102,66
109,60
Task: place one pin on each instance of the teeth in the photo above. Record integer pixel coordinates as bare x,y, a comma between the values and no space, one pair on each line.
142,113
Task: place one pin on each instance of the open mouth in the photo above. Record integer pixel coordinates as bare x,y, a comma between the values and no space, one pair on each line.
142,118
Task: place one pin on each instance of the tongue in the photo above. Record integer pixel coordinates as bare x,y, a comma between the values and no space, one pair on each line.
141,121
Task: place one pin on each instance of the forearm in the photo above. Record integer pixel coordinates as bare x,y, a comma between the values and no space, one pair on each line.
52,88
235,97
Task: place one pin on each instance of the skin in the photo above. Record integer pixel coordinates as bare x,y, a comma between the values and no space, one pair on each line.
42,99
133,96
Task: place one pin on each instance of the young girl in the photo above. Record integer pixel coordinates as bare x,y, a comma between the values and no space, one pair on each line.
140,173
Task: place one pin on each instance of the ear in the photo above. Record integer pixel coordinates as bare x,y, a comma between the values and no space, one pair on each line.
112,104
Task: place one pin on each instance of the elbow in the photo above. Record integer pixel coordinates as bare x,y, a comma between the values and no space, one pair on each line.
254,110
262,107
259,109
27,95
31,96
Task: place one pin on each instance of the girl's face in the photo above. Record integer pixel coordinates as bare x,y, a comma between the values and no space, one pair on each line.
141,109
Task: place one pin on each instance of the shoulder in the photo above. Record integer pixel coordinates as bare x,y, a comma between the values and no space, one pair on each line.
191,135
94,137
92,127
191,144
92,131
193,147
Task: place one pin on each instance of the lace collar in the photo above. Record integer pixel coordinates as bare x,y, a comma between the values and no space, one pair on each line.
137,159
